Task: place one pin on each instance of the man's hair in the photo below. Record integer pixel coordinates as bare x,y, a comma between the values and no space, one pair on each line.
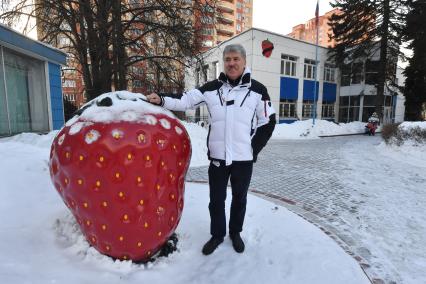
235,48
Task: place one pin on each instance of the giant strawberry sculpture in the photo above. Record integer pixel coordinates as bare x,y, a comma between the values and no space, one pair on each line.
119,166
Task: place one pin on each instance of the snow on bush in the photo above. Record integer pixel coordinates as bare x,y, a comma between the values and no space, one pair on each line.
413,133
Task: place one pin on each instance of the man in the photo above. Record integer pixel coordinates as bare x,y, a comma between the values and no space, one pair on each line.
242,120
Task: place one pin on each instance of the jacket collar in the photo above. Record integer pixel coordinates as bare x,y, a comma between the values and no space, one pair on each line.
244,82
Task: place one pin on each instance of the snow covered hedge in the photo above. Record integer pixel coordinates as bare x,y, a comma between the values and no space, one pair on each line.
399,133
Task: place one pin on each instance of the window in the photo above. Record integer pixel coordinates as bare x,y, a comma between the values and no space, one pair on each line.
309,69
70,97
202,75
371,72
68,72
207,9
136,70
206,20
216,71
208,43
329,73
357,69
137,83
349,108
327,110
368,107
346,75
23,90
239,16
238,28
288,109
69,84
288,65
64,41
307,109
207,31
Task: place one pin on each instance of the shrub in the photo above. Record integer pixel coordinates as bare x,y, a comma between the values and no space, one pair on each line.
390,131
397,135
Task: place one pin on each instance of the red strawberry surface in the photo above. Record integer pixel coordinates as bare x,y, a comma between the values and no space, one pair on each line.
123,180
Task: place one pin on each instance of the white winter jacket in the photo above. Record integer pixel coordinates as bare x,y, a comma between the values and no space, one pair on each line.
235,114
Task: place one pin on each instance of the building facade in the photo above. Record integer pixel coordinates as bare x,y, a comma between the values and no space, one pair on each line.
30,85
357,100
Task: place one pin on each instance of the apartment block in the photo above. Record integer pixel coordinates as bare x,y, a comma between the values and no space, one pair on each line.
231,18
307,31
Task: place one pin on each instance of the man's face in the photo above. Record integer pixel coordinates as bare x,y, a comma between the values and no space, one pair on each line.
234,65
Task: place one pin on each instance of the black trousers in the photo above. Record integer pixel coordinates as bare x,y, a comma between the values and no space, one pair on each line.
219,174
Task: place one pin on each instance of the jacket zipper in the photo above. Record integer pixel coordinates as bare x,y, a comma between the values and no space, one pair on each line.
220,97
248,93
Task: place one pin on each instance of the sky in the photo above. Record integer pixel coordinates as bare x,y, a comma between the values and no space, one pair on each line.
280,16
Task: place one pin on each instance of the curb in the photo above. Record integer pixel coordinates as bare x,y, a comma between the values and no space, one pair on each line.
349,134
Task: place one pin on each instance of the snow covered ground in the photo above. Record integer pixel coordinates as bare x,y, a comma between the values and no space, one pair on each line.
41,243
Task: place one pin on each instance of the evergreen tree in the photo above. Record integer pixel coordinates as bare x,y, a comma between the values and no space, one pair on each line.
368,27
415,83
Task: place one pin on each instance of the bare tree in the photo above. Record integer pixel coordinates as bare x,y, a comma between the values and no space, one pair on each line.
107,37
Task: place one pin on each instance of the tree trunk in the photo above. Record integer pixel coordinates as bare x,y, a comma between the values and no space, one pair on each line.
380,97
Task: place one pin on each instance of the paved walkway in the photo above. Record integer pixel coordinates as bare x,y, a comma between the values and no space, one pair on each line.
310,178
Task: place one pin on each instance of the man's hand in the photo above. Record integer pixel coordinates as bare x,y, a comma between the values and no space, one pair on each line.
154,98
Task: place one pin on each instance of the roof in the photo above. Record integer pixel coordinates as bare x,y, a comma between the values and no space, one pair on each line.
19,42
264,31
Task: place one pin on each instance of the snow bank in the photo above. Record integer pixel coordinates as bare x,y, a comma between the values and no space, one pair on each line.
303,129
407,144
34,139
408,125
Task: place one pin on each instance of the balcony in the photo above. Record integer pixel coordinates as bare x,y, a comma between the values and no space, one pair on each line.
224,31
225,20
224,6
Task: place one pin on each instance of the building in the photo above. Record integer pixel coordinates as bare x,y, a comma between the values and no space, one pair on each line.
233,17
30,85
289,75
307,31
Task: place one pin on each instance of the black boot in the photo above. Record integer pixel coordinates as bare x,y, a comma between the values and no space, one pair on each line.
237,242
211,245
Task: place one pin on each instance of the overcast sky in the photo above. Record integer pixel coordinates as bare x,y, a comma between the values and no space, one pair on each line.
281,15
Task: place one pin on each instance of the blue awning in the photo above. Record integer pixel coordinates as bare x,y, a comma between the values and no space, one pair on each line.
289,88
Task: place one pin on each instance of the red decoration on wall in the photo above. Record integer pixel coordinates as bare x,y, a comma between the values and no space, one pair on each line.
267,48
123,181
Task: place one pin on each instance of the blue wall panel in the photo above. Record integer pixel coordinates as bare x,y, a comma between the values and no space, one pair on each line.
308,90
56,96
289,88
329,92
